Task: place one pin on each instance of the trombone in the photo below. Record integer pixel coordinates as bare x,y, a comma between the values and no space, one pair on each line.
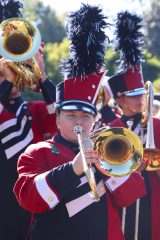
87,168
120,149
151,154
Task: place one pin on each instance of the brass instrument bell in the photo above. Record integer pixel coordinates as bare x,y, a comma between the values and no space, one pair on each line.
120,149
19,41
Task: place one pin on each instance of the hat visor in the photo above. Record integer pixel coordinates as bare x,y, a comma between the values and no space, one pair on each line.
77,106
135,92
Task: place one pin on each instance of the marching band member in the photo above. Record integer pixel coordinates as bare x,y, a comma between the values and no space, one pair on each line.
106,113
21,123
129,91
52,184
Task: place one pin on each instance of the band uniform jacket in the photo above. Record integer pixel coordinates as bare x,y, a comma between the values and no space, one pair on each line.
60,200
149,216
21,123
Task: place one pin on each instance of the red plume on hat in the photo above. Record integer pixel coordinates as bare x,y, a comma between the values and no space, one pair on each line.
128,79
85,30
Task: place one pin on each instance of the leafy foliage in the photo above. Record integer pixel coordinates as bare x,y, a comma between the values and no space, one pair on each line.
152,26
54,53
50,26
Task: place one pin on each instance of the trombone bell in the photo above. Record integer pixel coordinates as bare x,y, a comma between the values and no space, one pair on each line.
152,159
121,152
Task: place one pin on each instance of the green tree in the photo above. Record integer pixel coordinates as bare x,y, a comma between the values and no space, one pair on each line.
50,26
152,26
110,61
151,65
54,53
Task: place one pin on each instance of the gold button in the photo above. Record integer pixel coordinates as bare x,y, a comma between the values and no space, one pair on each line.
102,189
113,182
50,199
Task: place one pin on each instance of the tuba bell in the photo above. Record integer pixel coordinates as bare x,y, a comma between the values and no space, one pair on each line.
120,149
19,41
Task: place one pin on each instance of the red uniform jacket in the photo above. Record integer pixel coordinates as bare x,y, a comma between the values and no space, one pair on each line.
154,182
47,182
21,123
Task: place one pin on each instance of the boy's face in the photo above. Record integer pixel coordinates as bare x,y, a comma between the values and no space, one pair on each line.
132,105
67,120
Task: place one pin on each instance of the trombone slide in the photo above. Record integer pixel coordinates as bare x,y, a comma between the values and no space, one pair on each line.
87,168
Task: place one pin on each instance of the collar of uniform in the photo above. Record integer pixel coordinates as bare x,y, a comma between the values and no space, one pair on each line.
135,118
59,139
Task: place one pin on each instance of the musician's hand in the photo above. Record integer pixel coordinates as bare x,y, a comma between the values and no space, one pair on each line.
141,167
158,172
6,72
40,61
90,156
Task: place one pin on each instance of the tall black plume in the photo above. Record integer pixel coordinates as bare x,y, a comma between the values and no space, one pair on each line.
129,40
85,30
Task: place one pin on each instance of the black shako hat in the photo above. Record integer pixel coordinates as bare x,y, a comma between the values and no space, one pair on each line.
129,78
84,67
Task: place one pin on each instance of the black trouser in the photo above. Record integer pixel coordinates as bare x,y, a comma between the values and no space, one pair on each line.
14,221
95,235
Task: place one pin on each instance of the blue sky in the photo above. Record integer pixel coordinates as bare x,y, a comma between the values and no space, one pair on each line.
109,6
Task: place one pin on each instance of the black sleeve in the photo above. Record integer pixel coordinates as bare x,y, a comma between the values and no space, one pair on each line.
48,91
5,90
63,179
107,114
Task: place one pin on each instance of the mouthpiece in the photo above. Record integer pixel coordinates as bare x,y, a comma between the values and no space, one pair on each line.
78,130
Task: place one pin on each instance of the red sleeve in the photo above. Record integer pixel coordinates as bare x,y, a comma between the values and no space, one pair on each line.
156,128
30,166
48,119
126,190
45,117
45,178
